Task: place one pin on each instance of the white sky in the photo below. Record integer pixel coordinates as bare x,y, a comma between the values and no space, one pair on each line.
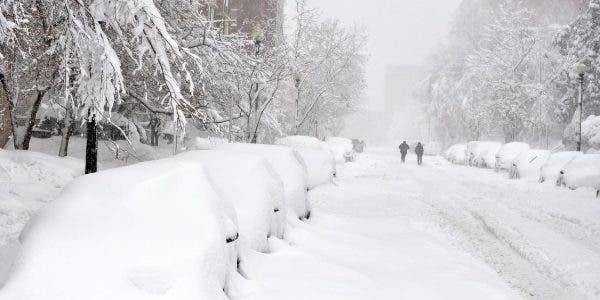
400,31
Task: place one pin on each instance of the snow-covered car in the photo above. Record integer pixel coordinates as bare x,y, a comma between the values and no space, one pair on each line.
290,167
482,154
582,171
528,164
457,154
508,153
320,163
341,148
550,171
252,186
155,230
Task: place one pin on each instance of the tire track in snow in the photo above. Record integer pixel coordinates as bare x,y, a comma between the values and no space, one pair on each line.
509,257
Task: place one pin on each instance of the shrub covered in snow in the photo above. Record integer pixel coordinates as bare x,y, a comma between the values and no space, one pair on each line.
457,154
550,171
528,164
320,163
156,230
582,171
482,154
252,186
290,167
341,148
508,153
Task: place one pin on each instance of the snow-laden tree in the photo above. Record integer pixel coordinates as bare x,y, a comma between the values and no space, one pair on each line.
498,75
579,42
328,69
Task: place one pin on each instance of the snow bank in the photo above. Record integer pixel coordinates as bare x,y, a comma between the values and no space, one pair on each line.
583,171
320,163
550,171
529,163
256,191
27,166
341,148
290,167
29,180
482,154
298,141
207,143
508,153
155,230
457,154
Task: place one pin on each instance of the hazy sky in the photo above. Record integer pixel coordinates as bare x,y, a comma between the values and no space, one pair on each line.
400,31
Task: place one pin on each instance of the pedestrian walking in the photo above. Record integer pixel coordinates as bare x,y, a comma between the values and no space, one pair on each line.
154,129
419,150
404,150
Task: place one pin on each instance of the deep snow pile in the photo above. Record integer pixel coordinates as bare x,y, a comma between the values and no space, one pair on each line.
252,186
299,141
155,230
529,163
550,171
508,153
457,154
29,180
320,163
290,167
583,171
482,154
341,148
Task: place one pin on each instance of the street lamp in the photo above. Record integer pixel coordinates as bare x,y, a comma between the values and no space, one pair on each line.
581,69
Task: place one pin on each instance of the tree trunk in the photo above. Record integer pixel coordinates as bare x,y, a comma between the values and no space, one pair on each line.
67,132
32,118
5,114
91,150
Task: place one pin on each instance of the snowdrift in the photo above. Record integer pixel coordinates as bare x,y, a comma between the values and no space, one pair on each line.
28,166
341,148
457,154
583,171
155,230
482,154
252,186
528,164
298,141
550,171
290,167
320,163
508,153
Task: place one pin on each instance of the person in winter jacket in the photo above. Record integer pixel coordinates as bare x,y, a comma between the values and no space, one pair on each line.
419,150
404,150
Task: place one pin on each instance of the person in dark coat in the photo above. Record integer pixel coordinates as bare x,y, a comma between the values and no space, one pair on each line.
154,128
419,150
404,150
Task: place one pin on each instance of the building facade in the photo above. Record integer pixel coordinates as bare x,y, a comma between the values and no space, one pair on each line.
250,17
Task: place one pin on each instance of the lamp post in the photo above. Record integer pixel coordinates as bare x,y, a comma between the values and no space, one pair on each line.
581,71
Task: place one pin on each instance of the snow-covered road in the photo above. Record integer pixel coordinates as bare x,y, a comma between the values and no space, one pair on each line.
393,231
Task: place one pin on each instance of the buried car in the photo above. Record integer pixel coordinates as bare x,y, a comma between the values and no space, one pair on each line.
155,230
